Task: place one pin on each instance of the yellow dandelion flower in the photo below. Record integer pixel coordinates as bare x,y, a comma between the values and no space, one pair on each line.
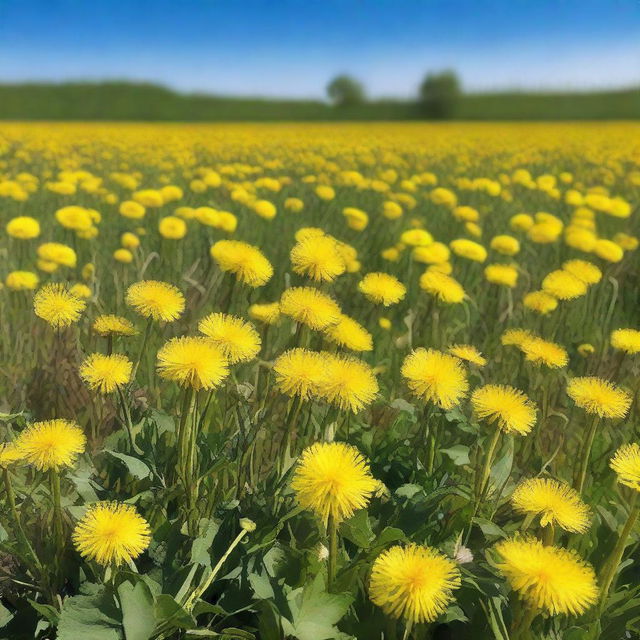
414,583
51,444
506,245
309,306
515,337
193,362
172,228
469,353
627,340
57,305
318,258
382,288
541,351
504,275
586,349
105,373
583,270
552,579
468,249
22,281
238,339
509,407
246,262
555,502
299,372
350,334
442,286
332,479
435,377
23,228
540,301
112,325
266,313
626,464
563,285
347,382
599,397
9,454
156,300
111,533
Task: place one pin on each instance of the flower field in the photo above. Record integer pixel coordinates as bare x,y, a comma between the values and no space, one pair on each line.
335,381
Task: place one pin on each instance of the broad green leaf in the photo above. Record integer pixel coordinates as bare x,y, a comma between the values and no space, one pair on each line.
459,453
315,612
168,610
136,602
357,529
92,616
137,468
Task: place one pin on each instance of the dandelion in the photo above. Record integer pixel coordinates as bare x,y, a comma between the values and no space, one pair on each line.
156,300
508,407
347,382
414,583
317,258
563,285
238,339
265,313
9,454
549,579
583,270
349,334
515,337
112,325
333,480
626,464
57,306
555,502
299,372
23,228
504,275
111,533
310,307
51,445
442,287
246,262
627,340
104,373
540,302
193,362
599,397
468,249
382,288
541,351
22,281
435,377
468,353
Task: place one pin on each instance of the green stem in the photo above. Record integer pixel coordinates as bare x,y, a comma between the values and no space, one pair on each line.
611,566
126,416
548,535
143,346
58,529
586,454
19,531
332,530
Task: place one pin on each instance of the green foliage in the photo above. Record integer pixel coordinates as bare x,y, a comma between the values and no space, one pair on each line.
440,95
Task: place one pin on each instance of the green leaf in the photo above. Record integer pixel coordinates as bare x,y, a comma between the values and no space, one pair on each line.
136,602
168,610
389,534
408,490
358,530
6,616
261,585
92,616
237,634
201,545
51,614
490,529
315,612
459,454
135,467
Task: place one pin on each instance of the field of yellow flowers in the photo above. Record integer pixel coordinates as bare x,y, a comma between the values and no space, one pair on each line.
319,381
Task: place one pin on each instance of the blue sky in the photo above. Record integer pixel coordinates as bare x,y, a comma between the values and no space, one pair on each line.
293,47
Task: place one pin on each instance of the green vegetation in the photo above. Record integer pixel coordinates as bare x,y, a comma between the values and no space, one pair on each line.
127,101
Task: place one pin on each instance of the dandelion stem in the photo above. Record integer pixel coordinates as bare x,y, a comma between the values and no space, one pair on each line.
613,562
586,454
332,530
143,346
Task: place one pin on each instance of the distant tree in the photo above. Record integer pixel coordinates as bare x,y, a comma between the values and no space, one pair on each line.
345,91
439,94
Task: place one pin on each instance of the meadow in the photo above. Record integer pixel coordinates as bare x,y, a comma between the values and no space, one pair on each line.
320,381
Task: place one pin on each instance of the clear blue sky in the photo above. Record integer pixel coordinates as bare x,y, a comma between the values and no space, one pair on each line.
293,47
